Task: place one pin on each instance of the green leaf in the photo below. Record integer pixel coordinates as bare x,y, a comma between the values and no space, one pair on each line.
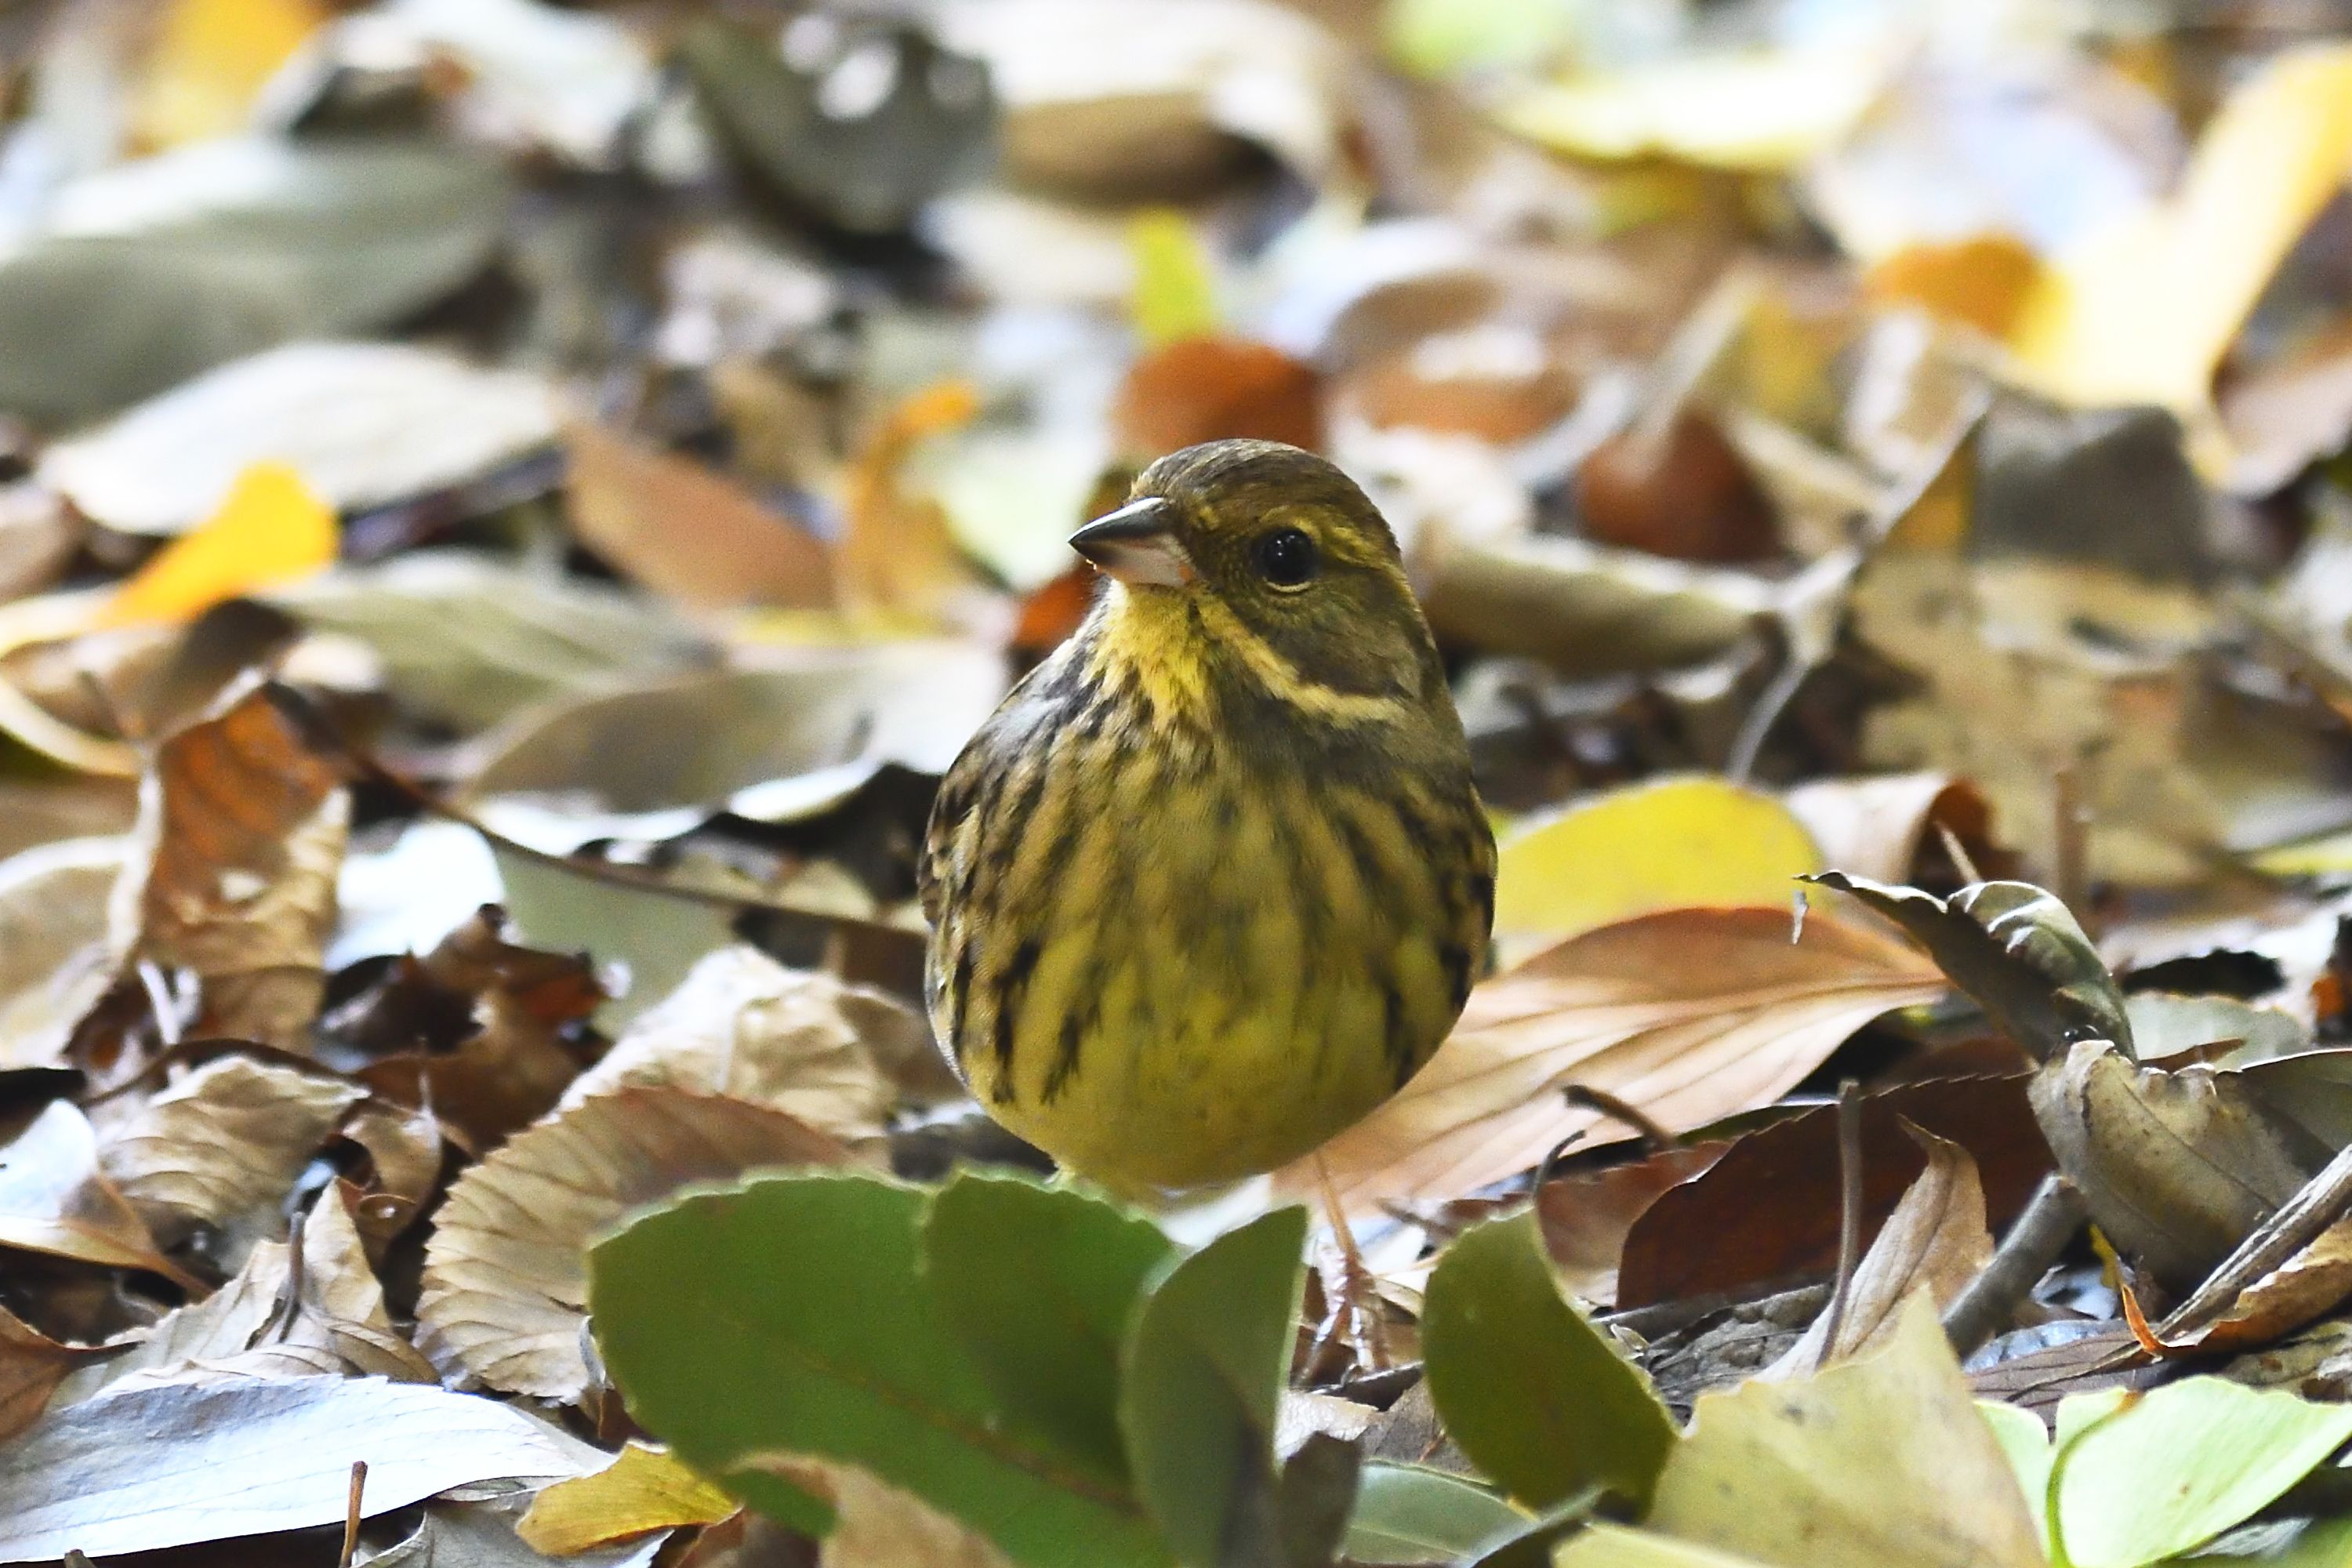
2025,1444
1204,1370
152,271
789,1315
2185,1463
1410,1513
1536,1394
1042,1282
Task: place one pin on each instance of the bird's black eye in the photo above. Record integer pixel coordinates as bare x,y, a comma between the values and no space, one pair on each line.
1286,557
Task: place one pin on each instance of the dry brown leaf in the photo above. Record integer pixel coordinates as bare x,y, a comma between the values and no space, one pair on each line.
1690,1015
876,1524
1586,1219
687,530
248,827
32,1365
54,1199
1936,1240
2176,1166
506,1274
405,1152
487,1032
742,1025
230,1138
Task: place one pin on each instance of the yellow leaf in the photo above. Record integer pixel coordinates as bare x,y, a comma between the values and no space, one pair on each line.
272,529
645,1490
1764,112
1671,845
210,60
1175,288
2145,311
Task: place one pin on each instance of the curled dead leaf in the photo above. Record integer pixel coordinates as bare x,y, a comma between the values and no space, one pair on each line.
1936,1240
2176,1166
248,827
741,1025
486,1031
229,1139
1623,1009
506,1274
55,1199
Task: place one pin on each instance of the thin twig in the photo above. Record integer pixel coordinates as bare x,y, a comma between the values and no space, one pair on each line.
1600,1100
160,1003
1552,1157
288,1309
1961,858
2035,1238
351,1513
1849,1144
2073,843
1355,1275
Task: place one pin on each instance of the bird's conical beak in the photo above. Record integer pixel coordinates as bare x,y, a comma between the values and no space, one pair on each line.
1138,545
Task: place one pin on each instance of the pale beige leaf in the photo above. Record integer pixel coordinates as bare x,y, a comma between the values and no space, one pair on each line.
1690,1015
506,1275
1936,1240
742,1025
248,827
686,531
1877,827
54,1199
1881,1460
876,1525
54,960
231,1137
338,1326
176,1463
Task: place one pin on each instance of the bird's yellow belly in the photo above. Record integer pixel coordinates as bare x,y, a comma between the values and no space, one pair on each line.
1220,990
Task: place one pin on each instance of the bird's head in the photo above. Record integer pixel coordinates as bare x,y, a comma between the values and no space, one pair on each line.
1274,550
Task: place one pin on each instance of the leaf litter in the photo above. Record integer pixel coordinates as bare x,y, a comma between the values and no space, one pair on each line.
508,509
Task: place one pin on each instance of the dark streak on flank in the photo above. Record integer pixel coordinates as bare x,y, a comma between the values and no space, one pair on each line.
1079,1022
1455,960
1482,893
1399,1045
1005,838
1360,853
1011,985
959,993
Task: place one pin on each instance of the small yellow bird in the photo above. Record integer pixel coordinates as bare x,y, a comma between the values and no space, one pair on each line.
1213,881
